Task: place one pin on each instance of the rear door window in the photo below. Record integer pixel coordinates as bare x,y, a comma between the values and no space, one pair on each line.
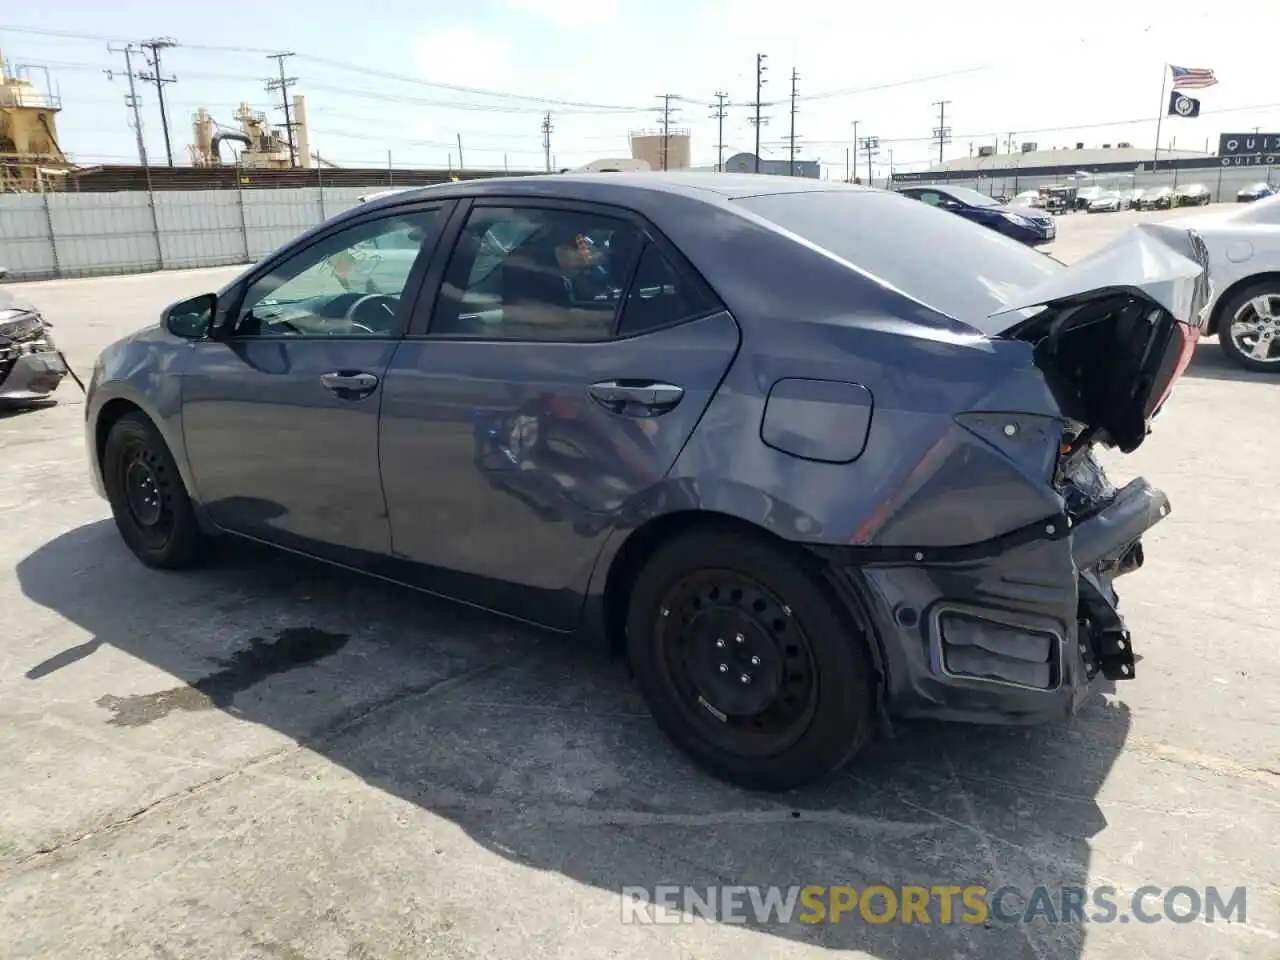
544,273
663,294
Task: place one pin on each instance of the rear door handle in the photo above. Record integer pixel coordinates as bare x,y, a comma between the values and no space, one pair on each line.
644,398
349,384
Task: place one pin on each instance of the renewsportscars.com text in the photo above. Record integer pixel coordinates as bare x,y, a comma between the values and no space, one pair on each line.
940,904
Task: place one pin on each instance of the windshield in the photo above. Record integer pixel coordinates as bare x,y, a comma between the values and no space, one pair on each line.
956,266
972,197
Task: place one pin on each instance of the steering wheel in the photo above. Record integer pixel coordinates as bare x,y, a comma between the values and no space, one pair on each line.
374,300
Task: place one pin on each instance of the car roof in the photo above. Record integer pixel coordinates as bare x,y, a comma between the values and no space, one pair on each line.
617,187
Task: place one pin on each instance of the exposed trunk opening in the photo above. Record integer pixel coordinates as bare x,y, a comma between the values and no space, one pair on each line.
1111,358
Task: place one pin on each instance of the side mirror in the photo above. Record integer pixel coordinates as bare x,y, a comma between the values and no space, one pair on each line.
190,319
4,272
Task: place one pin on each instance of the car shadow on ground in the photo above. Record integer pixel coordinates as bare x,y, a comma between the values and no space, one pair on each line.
1210,363
545,755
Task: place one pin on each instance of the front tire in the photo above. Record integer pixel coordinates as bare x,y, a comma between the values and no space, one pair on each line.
1248,317
148,499
747,663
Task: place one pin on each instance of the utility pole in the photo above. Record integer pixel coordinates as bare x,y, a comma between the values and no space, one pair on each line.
131,100
666,99
854,175
547,127
872,146
791,162
283,85
718,114
942,133
1008,142
155,76
757,121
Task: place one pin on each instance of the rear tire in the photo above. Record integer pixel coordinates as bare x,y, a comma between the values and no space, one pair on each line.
148,499
747,663
1226,315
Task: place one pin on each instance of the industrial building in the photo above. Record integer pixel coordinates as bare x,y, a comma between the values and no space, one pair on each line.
746,163
30,158
264,147
1031,161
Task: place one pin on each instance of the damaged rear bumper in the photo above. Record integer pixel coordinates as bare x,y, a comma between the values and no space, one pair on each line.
1016,630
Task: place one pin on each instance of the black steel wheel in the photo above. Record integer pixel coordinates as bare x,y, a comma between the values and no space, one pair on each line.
747,662
738,658
148,499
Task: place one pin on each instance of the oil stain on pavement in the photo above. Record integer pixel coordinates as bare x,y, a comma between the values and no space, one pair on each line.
293,647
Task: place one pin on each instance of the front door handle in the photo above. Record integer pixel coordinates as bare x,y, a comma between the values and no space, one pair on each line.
348,384
641,398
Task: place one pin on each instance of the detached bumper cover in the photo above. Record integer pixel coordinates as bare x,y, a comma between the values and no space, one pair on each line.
1018,630
29,376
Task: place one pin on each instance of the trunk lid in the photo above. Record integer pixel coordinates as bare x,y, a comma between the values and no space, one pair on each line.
1114,331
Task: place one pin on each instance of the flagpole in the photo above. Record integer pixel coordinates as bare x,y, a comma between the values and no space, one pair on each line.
1164,79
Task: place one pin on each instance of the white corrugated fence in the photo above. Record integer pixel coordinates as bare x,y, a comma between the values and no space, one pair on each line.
92,234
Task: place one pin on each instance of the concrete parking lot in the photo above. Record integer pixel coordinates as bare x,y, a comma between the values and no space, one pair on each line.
271,759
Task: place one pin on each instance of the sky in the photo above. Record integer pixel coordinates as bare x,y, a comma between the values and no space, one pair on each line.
381,78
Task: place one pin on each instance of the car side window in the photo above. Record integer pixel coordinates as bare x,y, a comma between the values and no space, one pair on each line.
346,285
536,273
663,294
931,198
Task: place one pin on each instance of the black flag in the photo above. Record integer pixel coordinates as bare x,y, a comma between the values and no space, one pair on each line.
1180,105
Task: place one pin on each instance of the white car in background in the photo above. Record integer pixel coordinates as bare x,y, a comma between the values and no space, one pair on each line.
1244,266
1106,202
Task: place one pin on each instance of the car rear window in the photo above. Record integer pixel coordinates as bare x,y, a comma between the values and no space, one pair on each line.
961,268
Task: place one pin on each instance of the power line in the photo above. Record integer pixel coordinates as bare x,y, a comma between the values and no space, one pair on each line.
283,85
791,160
157,77
757,121
988,134
942,132
718,115
131,98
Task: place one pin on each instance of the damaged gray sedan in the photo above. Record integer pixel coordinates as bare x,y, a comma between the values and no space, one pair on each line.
812,456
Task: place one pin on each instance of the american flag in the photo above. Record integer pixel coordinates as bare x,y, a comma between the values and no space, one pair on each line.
1192,78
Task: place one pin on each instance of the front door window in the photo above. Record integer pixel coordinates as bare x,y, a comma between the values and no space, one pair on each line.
349,284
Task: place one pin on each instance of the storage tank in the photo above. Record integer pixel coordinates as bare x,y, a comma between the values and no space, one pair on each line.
202,139
301,137
652,146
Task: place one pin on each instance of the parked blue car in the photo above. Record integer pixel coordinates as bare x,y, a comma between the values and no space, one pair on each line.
1024,224
1256,191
